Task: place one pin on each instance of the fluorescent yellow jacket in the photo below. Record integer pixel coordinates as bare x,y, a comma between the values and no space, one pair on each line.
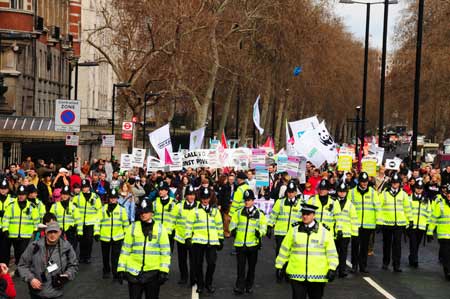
440,220
283,214
141,254
395,210
165,214
67,217
348,219
328,213
420,211
112,225
367,207
309,255
238,198
246,225
90,209
184,211
20,223
3,205
39,205
205,227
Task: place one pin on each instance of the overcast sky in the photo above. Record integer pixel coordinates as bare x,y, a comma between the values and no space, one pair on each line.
354,16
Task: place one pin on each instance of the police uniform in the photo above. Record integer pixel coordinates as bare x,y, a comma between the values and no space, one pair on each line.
5,200
90,207
184,210
311,255
145,256
238,197
37,204
248,226
165,210
68,216
205,232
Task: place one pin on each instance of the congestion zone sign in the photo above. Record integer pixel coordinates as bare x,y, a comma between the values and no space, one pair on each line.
67,116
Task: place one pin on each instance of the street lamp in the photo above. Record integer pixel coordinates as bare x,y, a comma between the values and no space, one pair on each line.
366,60
357,121
146,96
116,85
81,64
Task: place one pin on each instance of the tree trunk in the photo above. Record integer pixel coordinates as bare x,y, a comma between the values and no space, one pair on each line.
279,121
265,101
246,113
226,107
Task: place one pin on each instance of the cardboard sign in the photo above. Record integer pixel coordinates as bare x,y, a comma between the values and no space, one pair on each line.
345,162
282,163
262,176
126,162
138,157
196,159
393,164
369,165
258,158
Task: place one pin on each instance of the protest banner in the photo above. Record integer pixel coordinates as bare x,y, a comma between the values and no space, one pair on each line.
369,165
262,176
282,163
126,162
138,157
258,158
345,161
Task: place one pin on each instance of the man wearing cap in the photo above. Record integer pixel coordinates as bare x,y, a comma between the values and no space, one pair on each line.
5,200
185,210
165,210
421,213
48,264
111,232
145,256
19,222
310,252
248,226
367,205
348,220
68,215
395,216
37,204
238,197
205,232
90,206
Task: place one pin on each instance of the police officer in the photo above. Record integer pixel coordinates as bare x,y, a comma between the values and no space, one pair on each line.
310,252
19,222
285,211
32,194
68,216
5,200
238,197
145,257
348,220
185,208
367,205
205,233
396,215
165,211
89,205
248,225
421,213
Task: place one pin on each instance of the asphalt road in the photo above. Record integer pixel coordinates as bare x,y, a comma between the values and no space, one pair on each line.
425,282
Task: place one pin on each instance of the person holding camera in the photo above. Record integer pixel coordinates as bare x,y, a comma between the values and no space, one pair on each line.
48,264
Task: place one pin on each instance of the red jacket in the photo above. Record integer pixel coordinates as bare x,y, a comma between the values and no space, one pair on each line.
10,289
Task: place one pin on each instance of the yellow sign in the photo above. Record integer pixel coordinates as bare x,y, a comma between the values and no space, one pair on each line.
345,162
369,165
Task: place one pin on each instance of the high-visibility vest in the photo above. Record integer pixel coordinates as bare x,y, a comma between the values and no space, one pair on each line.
284,214
39,205
67,217
90,209
139,254
205,228
348,219
246,227
165,214
420,212
367,207
3,205
440,219
395,210
309,256
327,214
238,198
112,227
20,223
181,221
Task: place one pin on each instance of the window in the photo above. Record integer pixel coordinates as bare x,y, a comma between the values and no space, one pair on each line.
17,4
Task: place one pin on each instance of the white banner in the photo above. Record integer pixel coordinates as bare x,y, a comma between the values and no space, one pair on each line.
138,157
300,127
393,164
198,158
160,140
257,116
196,139
126,161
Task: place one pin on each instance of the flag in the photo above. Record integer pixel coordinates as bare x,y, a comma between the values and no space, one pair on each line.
299,127
269,143
256,116
160,140
223,140
167,158
196,139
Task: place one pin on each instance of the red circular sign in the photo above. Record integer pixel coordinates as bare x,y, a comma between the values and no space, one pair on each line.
127,126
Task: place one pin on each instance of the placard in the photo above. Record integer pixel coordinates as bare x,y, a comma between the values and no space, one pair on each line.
345,162
126,162
138,157
282,163
262,176
369,165
258,158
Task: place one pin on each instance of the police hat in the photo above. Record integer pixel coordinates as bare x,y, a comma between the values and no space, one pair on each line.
76,186
4,184
395,178
144,207
241,175
291,186
204,193
307,208
31,189
22,190
189,190
448,188
419,185
249,195
163,186
342,187
324,185
363,177
85,183
65,190
113,194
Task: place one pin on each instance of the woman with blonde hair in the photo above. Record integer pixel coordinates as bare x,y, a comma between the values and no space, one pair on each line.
127,200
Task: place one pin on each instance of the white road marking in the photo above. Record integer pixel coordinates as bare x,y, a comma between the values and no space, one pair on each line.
194,292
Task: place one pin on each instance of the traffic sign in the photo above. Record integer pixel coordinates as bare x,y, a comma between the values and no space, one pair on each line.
127,130
108,140
67,116
72,140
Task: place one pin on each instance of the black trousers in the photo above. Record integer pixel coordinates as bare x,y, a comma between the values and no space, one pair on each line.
360,247
19,245
172,241
110,254
246,255
183,253
444,249
210,253
5,248
392,243
278,241
150,289
305,289
71,237
86,242
342,249
415,238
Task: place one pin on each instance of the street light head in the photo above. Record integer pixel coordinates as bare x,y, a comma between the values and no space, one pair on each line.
393,1
122,84
358,108
346,1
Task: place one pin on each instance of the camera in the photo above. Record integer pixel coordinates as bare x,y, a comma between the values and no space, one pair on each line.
58,281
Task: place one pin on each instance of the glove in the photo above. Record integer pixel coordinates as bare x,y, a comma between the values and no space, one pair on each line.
188,242
430,238
411,225
279,274
97,238
331,275
257,234
162,277
220,247
269,232
233,233
340,234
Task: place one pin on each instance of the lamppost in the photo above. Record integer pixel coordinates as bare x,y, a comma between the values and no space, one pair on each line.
115,86
366,60
357,121
146,96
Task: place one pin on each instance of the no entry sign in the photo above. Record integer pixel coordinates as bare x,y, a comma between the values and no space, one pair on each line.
67,116
127,130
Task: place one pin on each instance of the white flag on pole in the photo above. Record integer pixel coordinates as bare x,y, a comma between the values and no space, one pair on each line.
300,127
160,140
196,139
257,116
